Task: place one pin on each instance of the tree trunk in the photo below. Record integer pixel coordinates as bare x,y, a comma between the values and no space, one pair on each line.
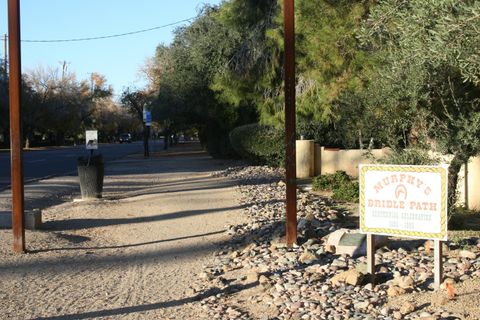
453,170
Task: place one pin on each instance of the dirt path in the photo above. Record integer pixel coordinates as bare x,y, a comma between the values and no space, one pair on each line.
132,257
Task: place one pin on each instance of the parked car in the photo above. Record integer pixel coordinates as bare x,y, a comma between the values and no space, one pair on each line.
125,138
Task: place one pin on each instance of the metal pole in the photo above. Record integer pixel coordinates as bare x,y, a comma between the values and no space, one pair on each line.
290,166
15,125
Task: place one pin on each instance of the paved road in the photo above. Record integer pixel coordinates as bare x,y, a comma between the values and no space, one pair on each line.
63,161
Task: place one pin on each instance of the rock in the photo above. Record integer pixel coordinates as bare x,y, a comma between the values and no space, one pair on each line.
443,286
406,282
291,256
302,223
339,263
368,287
352,277
385,311
329,248
252,276
395,291
351,242
307,257
361,305
362,268
407,308
467,254
426,316
263,280
397,315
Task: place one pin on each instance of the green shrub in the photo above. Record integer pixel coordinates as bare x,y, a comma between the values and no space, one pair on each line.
347,191
259,144
410,156
340,183
330,181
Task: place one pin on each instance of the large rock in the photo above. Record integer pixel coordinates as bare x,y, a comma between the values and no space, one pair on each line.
467,254
307,257
351,242
351,276
404,282
407,308
394,291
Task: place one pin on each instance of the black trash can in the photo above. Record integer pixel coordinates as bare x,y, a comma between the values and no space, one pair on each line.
90,172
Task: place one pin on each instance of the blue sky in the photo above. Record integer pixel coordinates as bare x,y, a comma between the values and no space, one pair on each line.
119,59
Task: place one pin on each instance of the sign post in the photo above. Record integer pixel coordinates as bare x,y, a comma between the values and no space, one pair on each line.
147,120
404,201
16,153
91,140
290,129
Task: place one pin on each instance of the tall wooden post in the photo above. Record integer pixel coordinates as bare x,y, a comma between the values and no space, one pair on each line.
15,125
290,132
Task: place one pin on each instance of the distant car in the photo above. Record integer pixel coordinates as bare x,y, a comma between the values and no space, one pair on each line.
125,138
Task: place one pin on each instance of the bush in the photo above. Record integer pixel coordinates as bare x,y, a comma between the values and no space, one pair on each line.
330,181
259,144
410,156
347,191
340,183
215,140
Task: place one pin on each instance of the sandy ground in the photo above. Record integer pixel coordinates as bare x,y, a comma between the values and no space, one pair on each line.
131,255
465,304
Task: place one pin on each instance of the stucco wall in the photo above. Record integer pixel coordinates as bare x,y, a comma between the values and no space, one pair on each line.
332,160
329,160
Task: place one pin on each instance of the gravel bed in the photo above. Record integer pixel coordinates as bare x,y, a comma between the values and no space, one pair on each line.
310,281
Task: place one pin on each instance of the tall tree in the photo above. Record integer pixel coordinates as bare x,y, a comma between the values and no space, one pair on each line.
427,88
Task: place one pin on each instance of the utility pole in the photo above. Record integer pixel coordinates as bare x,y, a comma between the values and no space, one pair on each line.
290,130
18,227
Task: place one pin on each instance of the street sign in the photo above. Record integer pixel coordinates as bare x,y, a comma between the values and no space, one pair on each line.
408,201
91,139
147,118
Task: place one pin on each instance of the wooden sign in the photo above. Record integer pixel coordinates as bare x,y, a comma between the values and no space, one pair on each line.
407,201
404,201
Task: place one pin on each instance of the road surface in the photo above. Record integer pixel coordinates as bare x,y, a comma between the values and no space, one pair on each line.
39,164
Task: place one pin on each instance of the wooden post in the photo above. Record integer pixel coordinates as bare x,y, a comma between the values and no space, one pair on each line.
15,126
371,257
437,264
290,130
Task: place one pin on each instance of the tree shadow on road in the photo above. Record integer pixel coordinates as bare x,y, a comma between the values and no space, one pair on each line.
149,307
89,223
76,239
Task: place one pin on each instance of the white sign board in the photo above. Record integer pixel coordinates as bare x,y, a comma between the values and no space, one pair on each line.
409,201
91,139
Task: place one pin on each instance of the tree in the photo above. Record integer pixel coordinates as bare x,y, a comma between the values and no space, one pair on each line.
427,88
185,71
4,110
61,106
136,102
